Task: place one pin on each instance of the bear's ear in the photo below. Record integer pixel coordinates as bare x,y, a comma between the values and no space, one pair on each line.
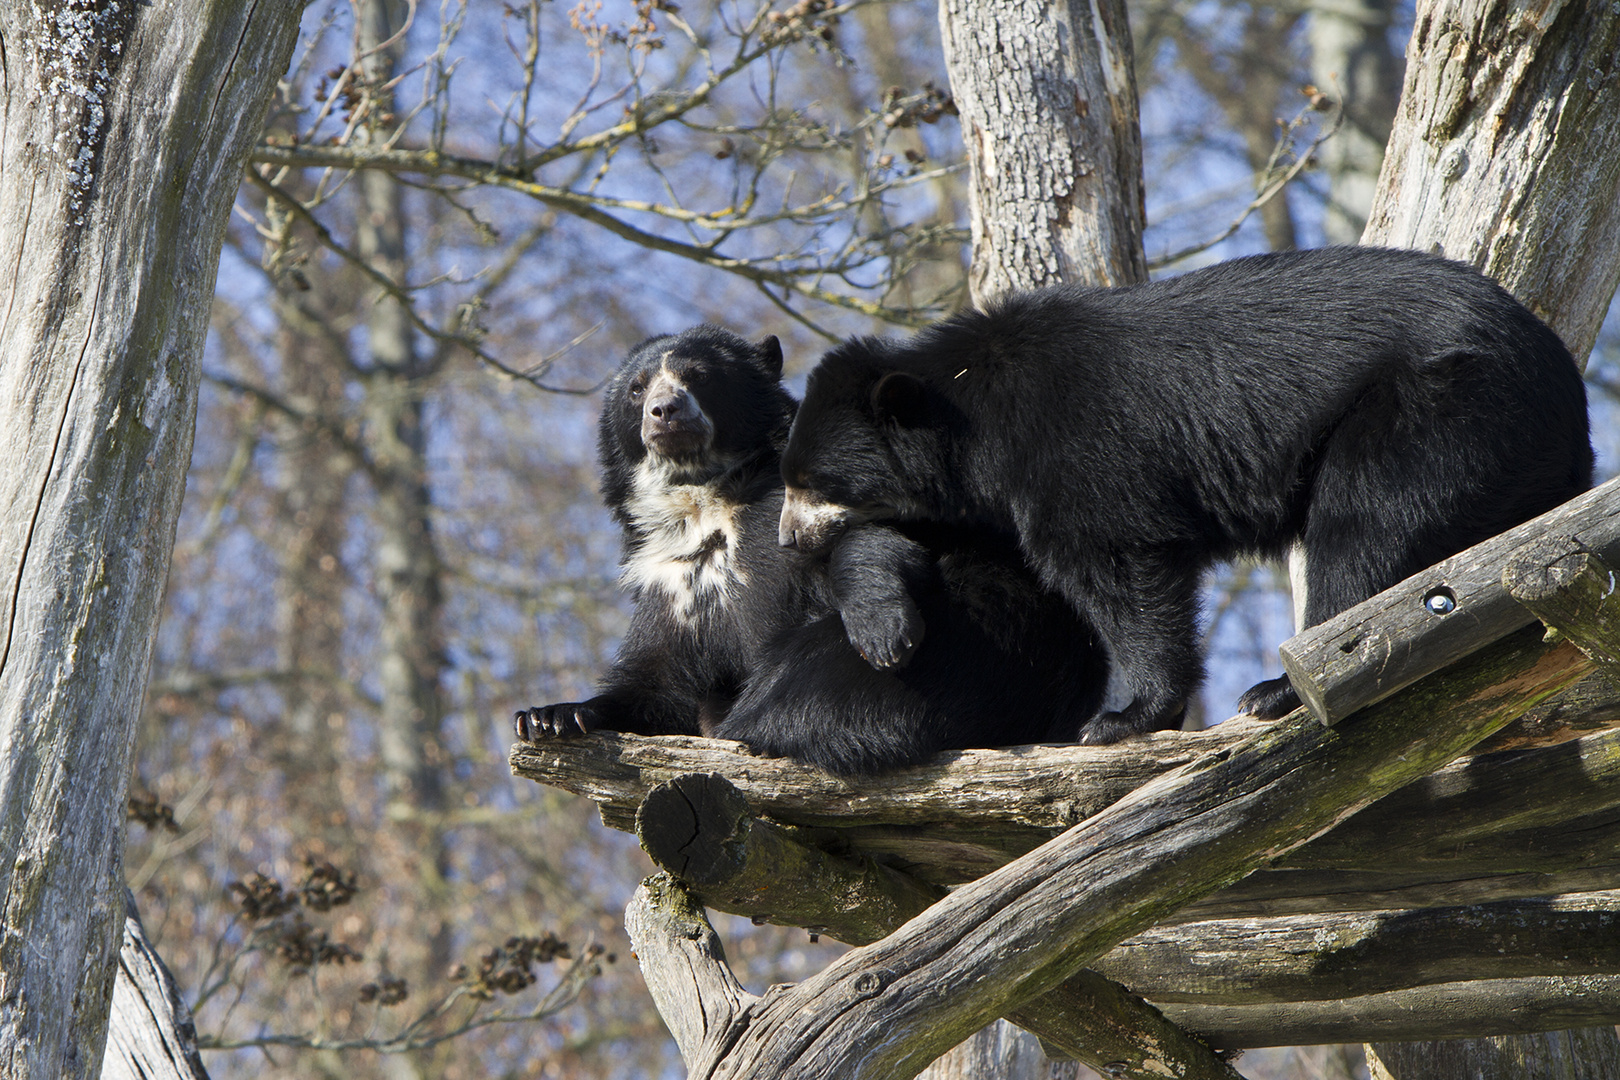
902,398
770,354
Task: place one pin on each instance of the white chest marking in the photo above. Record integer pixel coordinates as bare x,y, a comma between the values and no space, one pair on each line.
688,541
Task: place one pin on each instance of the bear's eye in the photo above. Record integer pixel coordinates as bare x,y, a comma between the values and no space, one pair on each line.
637,387
696,376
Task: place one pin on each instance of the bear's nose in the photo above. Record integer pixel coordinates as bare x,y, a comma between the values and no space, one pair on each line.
670,406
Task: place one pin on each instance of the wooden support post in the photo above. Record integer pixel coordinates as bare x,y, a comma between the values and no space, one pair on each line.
699,829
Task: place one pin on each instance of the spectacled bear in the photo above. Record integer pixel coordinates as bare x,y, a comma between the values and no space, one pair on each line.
819,659
1367,412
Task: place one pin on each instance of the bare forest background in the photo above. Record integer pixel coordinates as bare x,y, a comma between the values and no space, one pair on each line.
460,218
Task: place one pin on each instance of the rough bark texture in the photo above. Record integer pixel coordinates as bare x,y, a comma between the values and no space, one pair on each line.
124,132
1047,97
1505,154
150,1036
699,829
1567,586
1587,1054
1315,958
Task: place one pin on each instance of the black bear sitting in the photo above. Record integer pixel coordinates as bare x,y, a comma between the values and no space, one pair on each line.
1365,411
736,637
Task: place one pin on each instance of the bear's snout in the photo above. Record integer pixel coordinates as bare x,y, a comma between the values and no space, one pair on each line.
808,523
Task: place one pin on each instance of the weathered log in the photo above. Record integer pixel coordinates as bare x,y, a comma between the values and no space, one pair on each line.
149,1034
1020,931
1437,616
1341,955
685,970
1591,705
698,828
1446,1011
1011,790
1519,823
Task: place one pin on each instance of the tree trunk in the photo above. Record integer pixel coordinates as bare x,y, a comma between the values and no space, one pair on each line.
1504,156
1352,62
124,135
1001,1051
1047,97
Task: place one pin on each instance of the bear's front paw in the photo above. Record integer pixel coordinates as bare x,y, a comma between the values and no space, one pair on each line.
1269,700
1105,729
562,721
886,636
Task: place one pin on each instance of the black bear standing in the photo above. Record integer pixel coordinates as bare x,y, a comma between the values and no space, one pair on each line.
817,659
1365,411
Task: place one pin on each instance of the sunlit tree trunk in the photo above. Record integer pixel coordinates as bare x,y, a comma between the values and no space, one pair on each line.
1505,154
1047,98
124,132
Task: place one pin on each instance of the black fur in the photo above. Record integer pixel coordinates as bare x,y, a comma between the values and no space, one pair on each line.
1382,409
822,660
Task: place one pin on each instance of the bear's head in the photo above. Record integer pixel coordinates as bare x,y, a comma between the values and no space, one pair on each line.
687,407
869,443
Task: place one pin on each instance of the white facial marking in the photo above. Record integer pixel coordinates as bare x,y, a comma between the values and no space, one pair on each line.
688,540
813,519
666,386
